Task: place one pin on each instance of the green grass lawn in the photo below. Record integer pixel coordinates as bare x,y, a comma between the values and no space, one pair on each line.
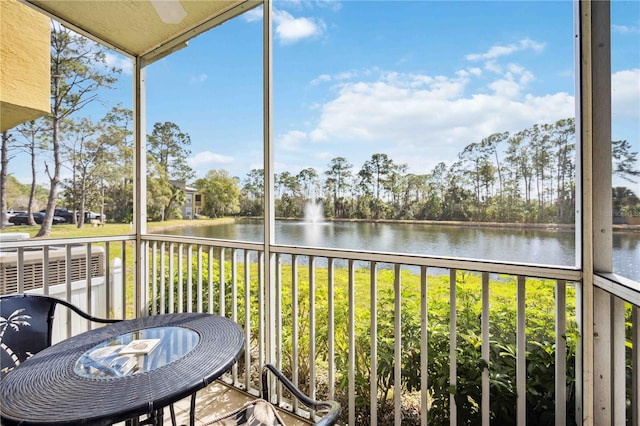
110,229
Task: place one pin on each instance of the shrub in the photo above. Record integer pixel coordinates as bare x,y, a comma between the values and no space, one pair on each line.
540,331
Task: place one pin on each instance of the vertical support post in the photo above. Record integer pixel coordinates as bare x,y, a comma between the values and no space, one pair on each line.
594,149
269,209
140,183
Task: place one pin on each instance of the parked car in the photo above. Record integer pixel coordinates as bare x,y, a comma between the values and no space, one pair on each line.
23,219
92,216
62,212
11,213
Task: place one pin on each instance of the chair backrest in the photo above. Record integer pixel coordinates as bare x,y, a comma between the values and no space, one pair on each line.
25,328
331,408
26,323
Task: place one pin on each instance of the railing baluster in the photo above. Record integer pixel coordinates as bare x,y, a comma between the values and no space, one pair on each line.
247,319
20,270
580,297
45,269
397,379
123,284
635,366
312,327
294,325
171,279
88,282
234,302
180,279
199,279
424,346
222,285
331,327
154,275
107,278
140,299
190,278
618,358
486,414
278,318
521,347
163,282
453,411
561,353
352,343
261,310
373,384
67,296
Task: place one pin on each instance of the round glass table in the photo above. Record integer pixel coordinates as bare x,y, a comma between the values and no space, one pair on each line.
121,371
136,352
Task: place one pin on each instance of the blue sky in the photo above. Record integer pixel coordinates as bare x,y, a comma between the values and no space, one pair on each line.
417,80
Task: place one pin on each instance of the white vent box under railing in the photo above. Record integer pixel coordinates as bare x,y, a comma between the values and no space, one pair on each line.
33,279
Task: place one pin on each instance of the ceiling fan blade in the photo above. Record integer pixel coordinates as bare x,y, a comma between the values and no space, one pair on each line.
170,11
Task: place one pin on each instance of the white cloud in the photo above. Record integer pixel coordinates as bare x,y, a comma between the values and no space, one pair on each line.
625,29
290,29
253,15
119,61
493,67
625,94
505,88
201,78
208,159
322,78
413,115
341,76
291,141
498,51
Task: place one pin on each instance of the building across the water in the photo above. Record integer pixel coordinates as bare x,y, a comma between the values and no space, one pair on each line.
192,207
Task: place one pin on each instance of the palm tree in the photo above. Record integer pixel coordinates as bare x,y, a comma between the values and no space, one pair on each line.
15,320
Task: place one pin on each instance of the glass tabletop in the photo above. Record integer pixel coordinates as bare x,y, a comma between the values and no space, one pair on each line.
136,352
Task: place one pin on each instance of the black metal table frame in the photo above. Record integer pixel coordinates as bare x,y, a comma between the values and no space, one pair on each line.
45,390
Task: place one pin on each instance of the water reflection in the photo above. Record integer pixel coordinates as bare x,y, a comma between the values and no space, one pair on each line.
539,246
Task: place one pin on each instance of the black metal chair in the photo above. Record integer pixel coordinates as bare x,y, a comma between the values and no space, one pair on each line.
26,324
261,412
330,408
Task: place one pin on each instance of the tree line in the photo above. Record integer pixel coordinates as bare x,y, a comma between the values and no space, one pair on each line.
522,177
97,155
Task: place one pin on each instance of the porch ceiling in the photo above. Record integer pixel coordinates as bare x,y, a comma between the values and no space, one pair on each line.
144,28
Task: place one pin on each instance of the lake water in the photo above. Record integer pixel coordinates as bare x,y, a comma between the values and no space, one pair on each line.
548,247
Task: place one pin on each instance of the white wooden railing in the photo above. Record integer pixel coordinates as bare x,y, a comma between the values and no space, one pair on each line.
349,325
329,349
